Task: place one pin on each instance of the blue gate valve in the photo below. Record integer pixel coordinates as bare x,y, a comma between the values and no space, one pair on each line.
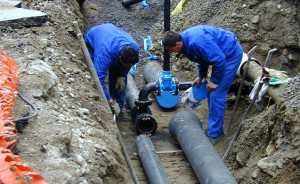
168,92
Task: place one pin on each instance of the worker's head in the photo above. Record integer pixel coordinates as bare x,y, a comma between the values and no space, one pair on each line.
172,41
128,56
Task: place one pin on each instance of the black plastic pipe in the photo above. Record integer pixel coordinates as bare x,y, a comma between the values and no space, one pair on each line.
184,85
150,87
131,92
166,28
152,71
127,3
209,167
154,170
141,114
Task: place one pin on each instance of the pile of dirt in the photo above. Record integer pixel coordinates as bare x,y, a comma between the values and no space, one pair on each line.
73,138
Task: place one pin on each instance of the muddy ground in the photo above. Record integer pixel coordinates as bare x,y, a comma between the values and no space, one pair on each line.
73,138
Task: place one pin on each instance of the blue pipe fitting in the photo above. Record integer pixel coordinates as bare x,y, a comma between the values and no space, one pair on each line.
167,94
168,83
144,4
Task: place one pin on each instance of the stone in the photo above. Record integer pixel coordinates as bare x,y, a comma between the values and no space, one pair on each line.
292,57
270,165
254,19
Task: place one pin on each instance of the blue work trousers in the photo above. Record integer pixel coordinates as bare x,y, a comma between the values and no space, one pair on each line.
113,74
217,98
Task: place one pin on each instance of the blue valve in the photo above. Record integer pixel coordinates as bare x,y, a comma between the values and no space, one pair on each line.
168,95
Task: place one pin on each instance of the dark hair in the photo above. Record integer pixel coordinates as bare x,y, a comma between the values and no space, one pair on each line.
129,55
170,38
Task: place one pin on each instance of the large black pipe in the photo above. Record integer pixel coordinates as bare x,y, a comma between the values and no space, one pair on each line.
152,71
127,3
140,112
186,128
166,28
131,92
154,170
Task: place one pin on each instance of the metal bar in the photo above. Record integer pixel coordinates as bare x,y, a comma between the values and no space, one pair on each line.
249,54
238,131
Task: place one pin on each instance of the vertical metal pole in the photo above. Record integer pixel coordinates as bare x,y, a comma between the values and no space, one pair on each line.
166,28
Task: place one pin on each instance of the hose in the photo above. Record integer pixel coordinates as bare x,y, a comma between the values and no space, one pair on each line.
31,105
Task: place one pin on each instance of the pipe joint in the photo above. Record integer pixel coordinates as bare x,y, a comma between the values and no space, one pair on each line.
143,103
167,83
145,124
150,87
143,121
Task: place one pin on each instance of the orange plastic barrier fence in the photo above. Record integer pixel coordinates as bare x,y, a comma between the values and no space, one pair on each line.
12,170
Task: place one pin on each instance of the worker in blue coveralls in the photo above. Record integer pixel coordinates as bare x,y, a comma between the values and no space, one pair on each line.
208,45
113,52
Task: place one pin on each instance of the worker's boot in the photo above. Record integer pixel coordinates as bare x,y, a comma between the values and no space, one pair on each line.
123,118
215,140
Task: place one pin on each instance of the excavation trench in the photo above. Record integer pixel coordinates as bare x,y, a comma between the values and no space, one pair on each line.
139,23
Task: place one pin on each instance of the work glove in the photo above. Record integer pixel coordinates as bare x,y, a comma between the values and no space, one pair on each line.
115,108
120,84
272,73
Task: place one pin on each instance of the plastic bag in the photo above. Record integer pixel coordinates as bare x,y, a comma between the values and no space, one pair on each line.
189,101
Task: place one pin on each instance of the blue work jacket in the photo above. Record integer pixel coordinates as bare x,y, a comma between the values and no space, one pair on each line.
208,45
104,43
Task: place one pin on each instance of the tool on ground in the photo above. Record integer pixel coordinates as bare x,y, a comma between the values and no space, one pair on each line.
237,133
249,54
147,43
99,87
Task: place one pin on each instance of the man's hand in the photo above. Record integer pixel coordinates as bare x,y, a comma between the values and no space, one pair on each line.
211,86
197,82
120,84
115,108
111,101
